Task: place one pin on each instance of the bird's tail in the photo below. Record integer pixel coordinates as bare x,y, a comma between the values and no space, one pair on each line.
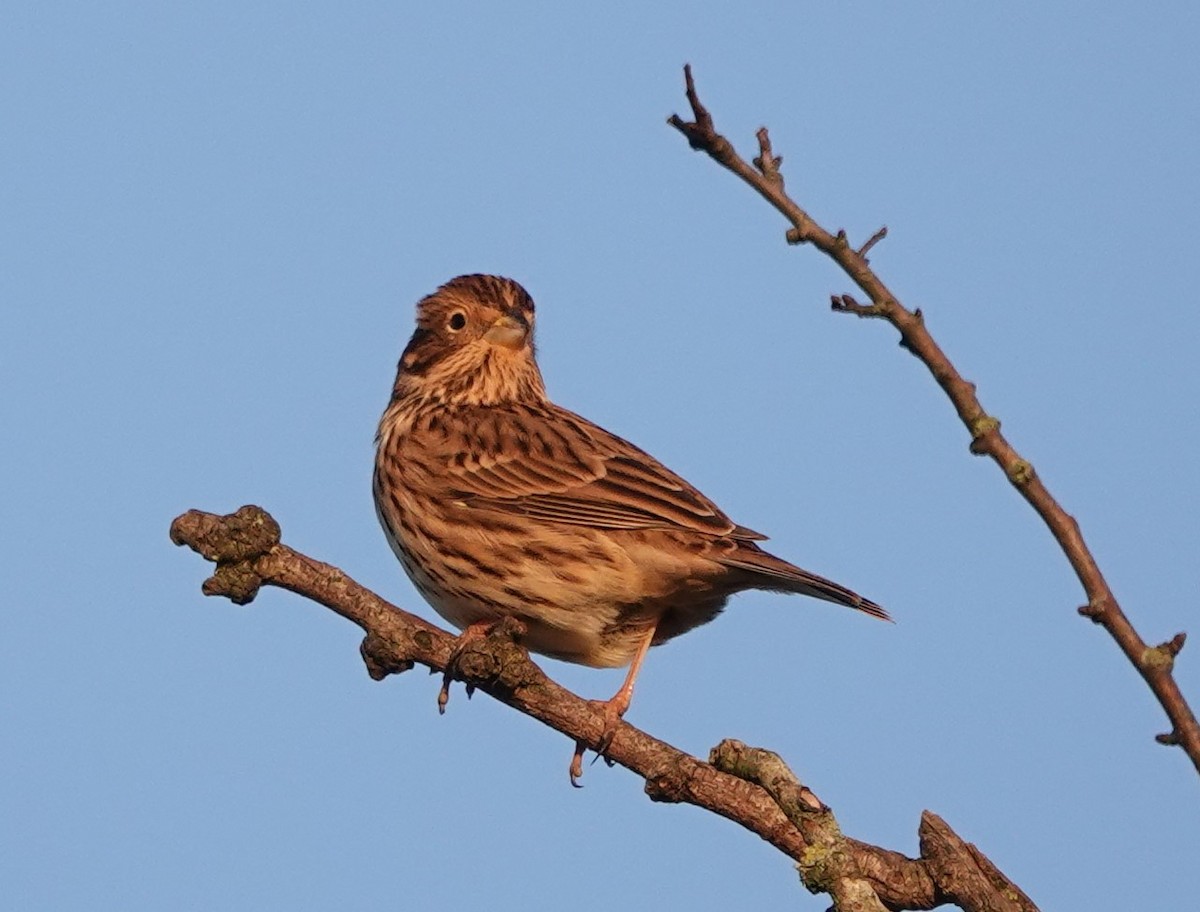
778,575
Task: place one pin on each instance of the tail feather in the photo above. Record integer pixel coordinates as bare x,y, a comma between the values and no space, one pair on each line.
781,576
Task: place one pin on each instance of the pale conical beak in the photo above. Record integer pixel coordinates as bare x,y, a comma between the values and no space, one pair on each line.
508,332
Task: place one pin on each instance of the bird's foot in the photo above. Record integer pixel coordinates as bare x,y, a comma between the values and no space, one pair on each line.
612,711
473,632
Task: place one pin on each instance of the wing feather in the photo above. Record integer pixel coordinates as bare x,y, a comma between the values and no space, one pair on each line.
550,463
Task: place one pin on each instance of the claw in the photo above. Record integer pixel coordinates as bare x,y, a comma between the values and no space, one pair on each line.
472,632
611,710
576,769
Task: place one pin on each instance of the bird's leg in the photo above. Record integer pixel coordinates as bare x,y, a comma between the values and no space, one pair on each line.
476,631
613,709
616,707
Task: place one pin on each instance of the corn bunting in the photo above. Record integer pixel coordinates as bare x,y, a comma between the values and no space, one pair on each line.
499,502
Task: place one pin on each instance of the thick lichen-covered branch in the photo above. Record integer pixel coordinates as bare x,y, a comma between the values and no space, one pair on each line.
245,547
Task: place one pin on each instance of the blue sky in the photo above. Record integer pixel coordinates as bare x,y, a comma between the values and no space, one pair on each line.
215,222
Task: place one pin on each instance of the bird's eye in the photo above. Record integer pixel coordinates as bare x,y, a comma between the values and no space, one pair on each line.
457,321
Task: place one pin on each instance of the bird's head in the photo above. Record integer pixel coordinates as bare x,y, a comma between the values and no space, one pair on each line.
473,345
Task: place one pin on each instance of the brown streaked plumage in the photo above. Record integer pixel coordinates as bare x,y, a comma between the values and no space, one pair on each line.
499,502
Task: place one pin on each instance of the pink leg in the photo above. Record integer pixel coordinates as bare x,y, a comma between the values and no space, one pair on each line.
613,709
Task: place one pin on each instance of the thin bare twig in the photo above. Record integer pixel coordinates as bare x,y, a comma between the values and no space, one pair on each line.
1154,664
871,242
246,548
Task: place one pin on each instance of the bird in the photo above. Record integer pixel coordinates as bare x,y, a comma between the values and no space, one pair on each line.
499,502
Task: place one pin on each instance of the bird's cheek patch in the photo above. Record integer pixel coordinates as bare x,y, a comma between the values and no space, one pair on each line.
418,354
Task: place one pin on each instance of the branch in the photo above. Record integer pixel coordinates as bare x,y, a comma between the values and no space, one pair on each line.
966,876
1155,663
246,548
